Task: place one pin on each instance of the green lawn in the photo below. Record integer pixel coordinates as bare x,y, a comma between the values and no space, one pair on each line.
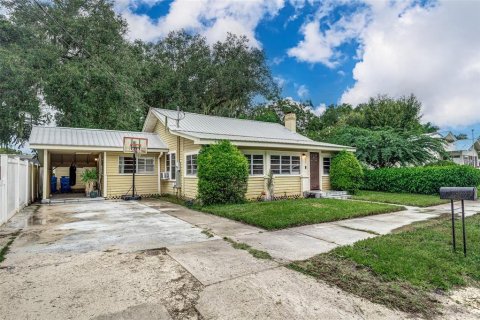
288,213
407,199
402,269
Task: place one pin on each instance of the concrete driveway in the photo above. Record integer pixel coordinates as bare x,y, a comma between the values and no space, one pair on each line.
155,260
104,260
107,225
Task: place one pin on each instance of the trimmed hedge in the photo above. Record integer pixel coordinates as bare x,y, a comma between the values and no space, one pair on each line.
346,173
424,180
222,174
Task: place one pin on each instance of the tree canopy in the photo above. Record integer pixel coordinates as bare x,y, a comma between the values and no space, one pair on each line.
75,58
387,147
222,79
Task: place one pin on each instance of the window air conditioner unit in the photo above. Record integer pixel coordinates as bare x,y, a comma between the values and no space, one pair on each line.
165,175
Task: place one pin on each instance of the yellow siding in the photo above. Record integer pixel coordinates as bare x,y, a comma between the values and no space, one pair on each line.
325,183
190,186
119,184
287,185
65,171
256,185
181,146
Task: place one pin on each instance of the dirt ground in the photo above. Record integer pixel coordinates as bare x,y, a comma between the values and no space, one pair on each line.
118,260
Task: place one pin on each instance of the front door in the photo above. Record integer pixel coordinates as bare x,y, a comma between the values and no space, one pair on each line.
314,171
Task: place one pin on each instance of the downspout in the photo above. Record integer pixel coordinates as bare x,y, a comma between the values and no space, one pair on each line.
158,170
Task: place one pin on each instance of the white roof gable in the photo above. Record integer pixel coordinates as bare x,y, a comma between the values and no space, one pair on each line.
90,138
212,128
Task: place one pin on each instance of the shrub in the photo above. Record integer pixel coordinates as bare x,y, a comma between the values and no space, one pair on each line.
441,163
222,174
346,173
425,180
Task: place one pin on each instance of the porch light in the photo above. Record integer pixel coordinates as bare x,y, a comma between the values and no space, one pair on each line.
96,159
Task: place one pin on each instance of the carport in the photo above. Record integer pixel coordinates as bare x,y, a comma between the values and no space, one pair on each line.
59,148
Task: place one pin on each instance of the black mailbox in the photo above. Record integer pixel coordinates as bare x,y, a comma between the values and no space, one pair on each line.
458,193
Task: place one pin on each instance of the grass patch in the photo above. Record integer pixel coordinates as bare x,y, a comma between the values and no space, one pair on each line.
259,254
208,233
288,213
5,249
402,270
407,199
173,199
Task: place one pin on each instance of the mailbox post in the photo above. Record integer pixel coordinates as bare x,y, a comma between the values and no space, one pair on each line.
462,194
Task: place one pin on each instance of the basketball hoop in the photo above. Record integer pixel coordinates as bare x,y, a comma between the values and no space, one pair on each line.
137,146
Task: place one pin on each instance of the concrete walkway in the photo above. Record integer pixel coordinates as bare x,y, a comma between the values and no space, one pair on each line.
303,242
158,260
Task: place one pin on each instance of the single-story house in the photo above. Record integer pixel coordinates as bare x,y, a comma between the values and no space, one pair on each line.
298,163
464,151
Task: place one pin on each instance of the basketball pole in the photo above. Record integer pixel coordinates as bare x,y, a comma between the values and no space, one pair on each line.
133,176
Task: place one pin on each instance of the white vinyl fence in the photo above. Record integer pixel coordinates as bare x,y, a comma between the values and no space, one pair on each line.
18,185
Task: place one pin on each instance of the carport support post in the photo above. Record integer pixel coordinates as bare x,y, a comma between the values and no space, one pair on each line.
134,169
46,181
463,229
453,227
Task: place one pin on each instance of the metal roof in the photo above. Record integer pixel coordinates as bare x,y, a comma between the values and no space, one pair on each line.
93,138
205,127
460,145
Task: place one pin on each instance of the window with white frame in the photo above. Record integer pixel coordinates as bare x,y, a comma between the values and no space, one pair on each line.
144,165
191,165
170,165
281,164
255,164
326,165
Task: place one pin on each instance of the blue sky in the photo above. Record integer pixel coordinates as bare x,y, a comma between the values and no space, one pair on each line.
345,51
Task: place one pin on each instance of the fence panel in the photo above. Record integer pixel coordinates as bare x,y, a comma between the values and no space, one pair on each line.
23,182
3,211
18,185
11,187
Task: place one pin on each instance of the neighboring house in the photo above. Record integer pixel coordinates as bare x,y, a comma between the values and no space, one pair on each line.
463,151
299,164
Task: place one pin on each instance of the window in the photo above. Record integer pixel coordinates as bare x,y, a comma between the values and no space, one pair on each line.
191,165
144,165
255,164
170,165
326,166
285,164
125,164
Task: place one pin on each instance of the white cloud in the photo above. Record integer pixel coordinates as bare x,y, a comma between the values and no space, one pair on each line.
320,109
211,18
281,81
277,60
321,37
302,91
431,52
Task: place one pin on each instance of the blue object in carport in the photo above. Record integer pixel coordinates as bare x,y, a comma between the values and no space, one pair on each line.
53,184
65,185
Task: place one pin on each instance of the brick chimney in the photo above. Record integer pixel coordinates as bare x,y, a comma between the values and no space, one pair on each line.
291,122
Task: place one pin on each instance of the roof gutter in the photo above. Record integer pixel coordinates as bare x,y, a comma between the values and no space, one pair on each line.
278,145
83,148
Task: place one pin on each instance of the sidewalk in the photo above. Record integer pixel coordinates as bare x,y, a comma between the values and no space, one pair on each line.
240,286
303,242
